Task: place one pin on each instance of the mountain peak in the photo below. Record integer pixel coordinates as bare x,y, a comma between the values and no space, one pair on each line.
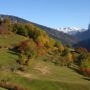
71,30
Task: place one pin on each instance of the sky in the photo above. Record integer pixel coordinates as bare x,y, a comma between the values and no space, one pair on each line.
51,13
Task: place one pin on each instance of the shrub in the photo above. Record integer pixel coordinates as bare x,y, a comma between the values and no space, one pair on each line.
27,51
84,71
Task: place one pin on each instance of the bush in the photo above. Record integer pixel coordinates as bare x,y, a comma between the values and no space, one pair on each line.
84,71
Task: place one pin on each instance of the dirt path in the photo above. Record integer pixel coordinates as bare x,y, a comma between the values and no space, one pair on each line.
27,75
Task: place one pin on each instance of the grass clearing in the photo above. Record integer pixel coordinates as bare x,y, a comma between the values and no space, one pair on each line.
8,57
8,40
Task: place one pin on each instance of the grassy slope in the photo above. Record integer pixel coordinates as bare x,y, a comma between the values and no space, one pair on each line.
55,78
2,88
8,57
40,75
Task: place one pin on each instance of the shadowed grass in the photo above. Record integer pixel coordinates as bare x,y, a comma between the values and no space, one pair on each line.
6,58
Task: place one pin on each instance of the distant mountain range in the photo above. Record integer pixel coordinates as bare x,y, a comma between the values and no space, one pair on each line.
54,33
82,34
85,39
71,30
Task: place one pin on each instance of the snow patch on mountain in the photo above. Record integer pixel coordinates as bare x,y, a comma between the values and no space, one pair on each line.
71,30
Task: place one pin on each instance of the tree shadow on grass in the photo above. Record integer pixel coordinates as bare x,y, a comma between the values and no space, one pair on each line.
13,51
75,69
86,78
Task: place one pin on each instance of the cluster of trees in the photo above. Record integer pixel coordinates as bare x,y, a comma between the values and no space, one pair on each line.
40,44
82,60
27,30
29,49
62,57
58,54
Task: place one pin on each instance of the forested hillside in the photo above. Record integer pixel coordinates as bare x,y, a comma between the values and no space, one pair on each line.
31,60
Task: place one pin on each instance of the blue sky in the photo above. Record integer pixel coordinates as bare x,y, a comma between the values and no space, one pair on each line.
52,13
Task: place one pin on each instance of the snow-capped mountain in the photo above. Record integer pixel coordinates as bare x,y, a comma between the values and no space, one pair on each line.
71,30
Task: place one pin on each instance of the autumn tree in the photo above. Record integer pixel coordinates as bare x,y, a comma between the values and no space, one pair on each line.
27,51
20,29
84,65
59,45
